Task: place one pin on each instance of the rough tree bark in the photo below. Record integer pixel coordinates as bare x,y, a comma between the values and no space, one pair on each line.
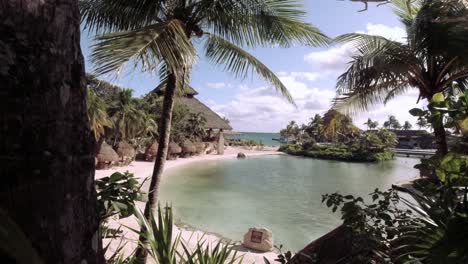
46,148
161,156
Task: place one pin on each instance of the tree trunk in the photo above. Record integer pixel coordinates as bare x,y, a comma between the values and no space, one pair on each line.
440,138
47,149
161,156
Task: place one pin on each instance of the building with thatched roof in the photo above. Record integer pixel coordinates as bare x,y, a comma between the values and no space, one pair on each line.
213,120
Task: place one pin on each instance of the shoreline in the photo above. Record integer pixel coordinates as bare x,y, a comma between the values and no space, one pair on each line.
188,233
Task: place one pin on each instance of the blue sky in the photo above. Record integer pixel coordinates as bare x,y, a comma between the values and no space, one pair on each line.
309,73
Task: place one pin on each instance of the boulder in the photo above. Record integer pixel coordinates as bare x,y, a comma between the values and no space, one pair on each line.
241,155
260,239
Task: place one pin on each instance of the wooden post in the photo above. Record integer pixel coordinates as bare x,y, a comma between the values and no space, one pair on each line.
220,142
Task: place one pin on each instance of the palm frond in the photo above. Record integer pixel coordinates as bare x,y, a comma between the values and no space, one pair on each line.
147,47
239,62
104,16
377,72
257,22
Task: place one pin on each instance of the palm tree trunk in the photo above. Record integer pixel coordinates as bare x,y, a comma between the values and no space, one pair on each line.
47,148
440,138
161,156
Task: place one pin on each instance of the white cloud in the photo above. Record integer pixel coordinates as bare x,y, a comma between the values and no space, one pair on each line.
264,109
217,85
333,60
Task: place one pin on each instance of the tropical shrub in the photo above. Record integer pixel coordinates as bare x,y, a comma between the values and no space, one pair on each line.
117,195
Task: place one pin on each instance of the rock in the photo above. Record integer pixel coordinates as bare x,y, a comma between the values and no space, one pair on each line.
241,155
260,239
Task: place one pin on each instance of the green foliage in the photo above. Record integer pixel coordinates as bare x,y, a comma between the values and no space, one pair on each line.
195,126
117,195
372,225
99,120
164,248
381,69
217,254
371,146
453,169
159,236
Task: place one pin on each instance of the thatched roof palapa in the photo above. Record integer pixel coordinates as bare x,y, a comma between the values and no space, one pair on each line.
107,154
188,147
174,148
213,120
125,150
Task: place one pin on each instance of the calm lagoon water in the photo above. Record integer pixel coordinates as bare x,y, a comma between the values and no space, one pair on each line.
282,193
265,138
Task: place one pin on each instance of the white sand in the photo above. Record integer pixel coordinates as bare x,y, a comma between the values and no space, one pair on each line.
143,170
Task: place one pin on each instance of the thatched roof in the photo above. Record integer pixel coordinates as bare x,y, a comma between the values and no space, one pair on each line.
213,120
189,91
125,149
188,147
152,149
107,154
174,148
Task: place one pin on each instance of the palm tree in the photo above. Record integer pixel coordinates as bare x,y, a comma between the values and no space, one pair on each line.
421,123
97,114
129,122
394,123
195,126
371,124
160,34
407,125
433,57
315,127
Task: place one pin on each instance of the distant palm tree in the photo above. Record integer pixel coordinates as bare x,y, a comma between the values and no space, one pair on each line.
128,121
371,124
195,126
421,123
394,123
433,57
161,34
315,127
407,125
97,114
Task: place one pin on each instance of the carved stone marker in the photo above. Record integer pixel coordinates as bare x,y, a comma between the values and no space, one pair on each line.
260,239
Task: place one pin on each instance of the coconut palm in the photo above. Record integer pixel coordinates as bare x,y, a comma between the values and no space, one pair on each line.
195,126
338,127
160,34
97,115
129,122
371,124
407,125
433,57
315,127
422,122
393,123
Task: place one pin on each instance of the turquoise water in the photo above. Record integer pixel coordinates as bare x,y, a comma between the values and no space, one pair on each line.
265,138
282,193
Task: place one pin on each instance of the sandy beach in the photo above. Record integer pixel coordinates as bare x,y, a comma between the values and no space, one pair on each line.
189,236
